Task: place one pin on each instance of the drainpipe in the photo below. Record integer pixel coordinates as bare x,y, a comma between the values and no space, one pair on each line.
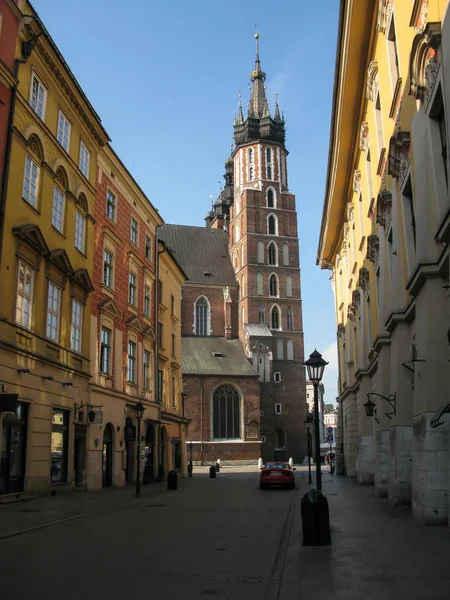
156,394
201,419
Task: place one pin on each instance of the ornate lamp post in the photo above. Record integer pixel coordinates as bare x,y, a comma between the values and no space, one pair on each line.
139,414
308,422
316,366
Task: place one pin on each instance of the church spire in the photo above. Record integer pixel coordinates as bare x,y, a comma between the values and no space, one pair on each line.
258,100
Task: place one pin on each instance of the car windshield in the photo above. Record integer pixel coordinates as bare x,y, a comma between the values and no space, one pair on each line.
277,465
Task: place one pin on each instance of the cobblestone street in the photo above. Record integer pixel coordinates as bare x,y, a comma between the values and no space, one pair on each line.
220,538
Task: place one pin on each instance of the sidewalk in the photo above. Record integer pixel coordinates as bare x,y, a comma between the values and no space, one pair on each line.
377,552
36,513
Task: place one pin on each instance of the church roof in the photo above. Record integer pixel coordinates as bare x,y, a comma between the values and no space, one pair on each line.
214,356
258,330
202,253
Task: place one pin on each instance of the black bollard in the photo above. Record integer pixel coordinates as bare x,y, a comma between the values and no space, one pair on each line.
217,465
212,471
172,480
315,519
190,468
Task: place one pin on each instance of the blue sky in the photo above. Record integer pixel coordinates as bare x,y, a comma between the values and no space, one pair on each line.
165,78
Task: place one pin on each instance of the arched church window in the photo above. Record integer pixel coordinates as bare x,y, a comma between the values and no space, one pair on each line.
259,283
260,252
226,413
250,164
272,253
273,285
270,199
269,162
272,225
290,350
288,286
275,318
286,255
202,316
261,314
280,350
289,318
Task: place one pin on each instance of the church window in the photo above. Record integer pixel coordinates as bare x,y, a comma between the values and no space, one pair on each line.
270,198
275,318
251,170
288,286
237,265
285,255
259,283
261,314
269,163
226,413
260,252
273,285
272,225
290,350
202,316
289,318
280,350
272,253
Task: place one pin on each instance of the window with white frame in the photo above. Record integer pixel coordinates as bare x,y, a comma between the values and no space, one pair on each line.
105,351
108,272
38,96
272,252
277,377
278,408
132,288
379,123
110,205
53,311
251,169
80,226
272,225
24,301
131,363
289,318
76,329
146,369
30,181
391,40
85,158
58,209
275,318
290,350
63,135
273,285
147,301
269,163
134,231
201,316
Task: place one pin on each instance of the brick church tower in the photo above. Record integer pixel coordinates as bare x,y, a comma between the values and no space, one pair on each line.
262,222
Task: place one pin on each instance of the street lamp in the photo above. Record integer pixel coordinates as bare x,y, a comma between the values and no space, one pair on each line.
139,414
308,422
190,465
316,365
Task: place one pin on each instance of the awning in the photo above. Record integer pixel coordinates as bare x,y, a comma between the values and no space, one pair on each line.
436,420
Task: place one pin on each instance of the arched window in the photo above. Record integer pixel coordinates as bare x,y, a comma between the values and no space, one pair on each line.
238,231
257,222
272,254
273,285
288,286
261,252
290,350
202,316
242,287
226,413
280,350
59,199
251,171
243,315
33,161
279,438
237,263
262,318
275,318
270,199
289,318
286,255
259,283
242,255
272,225
269,163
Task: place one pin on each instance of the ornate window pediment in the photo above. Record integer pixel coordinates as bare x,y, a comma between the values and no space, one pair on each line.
149,332
134,323
419,15
364,136
356,299
384,210
108,305
424,64
373,249
350,212
32,236
398,159
61,261
372,81
81,277
363,280
357,181
341,331
351,312
384,15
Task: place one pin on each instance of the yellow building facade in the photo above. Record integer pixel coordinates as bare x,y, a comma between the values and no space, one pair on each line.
384,235
46,264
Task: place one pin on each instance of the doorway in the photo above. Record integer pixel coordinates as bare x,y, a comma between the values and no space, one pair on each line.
107,456
149,454
130,438
176,454
13,451
79,455
162,451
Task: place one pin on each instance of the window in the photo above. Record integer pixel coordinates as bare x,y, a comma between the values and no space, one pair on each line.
272,225
80,224
110,205
30,181
105,350
273,285
85,157
59,445
147,301
261,314
275,318
437,113
290,350
131,363
289,319
278,408
279,438
146,370
277,377
259,283
260,252
160,334
53,309
379,123
272,254
108,269
280,350
285,255
269,167
251,171
58,209
38,96
270,199
160,291
226,413
148,248
242,287
173,344
288,286
134,231
160,386
174,392
201,316
63,135
24,300
76,329
132,289
392,54
172,305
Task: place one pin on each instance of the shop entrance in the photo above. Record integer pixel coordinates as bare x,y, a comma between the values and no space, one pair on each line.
13,451
107,456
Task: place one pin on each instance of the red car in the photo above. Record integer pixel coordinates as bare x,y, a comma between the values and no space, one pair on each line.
277,473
